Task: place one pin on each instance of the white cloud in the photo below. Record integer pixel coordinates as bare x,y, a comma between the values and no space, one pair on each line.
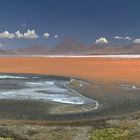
124,38
46,35
19,35
24,24
137,41
6,34
1,44
101,40
30,34
56,36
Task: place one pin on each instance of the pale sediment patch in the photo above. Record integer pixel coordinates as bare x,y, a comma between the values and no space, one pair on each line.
11,77
129,87
76,56
81,84
87,56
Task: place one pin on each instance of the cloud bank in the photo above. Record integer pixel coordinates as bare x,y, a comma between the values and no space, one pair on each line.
7,35
30,34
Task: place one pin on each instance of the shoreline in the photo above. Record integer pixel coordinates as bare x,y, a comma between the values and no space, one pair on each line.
132,56
109,105
101,71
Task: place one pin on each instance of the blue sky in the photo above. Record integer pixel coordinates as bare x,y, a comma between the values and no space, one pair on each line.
85,20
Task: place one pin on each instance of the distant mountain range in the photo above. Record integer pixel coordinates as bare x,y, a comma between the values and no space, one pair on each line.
32,50
73,47
69,47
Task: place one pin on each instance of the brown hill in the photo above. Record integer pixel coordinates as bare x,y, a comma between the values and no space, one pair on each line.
69,47
129,49
33,50
73,47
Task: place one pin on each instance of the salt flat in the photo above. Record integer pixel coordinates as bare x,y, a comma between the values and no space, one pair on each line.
76,56
89,56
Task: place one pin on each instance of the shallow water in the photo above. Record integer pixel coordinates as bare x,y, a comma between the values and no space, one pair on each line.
51,92
40,90
42,97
